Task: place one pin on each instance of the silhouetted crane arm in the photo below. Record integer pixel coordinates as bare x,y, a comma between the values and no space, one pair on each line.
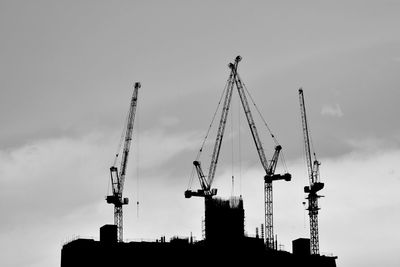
272,166
250,120
271,176
118,178
128,136
306,136
222,124
269,168
315,185
206,183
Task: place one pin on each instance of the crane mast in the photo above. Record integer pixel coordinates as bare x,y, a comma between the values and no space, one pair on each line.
268,204
269,168
118,176
315,184
206,183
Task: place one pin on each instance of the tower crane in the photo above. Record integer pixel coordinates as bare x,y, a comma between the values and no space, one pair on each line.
315,184
206,191
268,179
269,168
270,176
118,176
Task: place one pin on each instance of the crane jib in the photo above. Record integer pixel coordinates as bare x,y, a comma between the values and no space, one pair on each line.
251,122
221,127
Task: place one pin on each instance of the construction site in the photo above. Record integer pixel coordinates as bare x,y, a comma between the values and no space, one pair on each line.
225,241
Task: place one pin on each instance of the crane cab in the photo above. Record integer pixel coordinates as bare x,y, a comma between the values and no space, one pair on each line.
314,188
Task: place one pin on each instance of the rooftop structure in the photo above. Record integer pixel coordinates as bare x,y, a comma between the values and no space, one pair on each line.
225,244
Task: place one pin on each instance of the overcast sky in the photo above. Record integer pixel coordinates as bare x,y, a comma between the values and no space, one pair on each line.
66,77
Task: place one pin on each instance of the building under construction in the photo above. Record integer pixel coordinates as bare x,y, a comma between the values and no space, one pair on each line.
225,241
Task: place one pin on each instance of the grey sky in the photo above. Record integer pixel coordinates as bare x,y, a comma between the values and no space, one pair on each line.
66,76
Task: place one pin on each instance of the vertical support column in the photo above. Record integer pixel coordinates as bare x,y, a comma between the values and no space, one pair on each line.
313,212
118,222
269,230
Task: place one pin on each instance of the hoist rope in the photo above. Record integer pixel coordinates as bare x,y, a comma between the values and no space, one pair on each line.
137,124
240,150
232,154
121,140
206,136
266,124
116,155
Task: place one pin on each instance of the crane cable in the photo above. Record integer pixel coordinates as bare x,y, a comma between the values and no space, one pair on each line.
137,124
310,141
232,155
206,136
240,150
265,123
121,140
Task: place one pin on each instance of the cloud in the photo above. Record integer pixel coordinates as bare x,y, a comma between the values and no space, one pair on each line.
57,174
359,206
332,110
169,121
59,185
158,147
54,188
361,199
46,182
39,173
368,146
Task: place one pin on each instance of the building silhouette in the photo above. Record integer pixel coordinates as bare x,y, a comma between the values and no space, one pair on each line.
225,244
